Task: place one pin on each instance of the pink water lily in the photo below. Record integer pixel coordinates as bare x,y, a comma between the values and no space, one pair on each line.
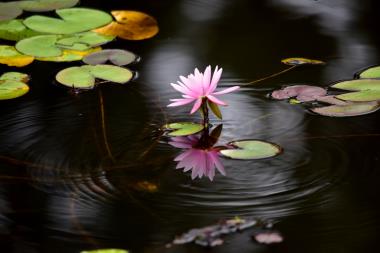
199,86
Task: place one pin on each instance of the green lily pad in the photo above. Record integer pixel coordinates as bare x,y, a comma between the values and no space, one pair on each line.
15,30
372,72
69,55
9,11
106,251
83,41
12,85
84,77
46,5
361,96
251,149
115,56
358,85
73,20
39,46
183,128
348,110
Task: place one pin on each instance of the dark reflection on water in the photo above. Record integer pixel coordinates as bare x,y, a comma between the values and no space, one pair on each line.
69,182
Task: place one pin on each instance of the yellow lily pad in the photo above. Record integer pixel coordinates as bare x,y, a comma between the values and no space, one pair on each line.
11,57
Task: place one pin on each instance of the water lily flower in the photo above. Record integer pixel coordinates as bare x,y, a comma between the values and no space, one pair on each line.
200,87
201,161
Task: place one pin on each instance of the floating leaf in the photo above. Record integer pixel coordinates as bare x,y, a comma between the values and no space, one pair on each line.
83,41
84,77
251,149
12,85
215,109
46,5
303,93
361,96
183,128
131,25
348,110
115,56
372,72
332,100
358,85
268,237
106,251
9,10
301,61
70,55
11,57
73,20
15,30
40,46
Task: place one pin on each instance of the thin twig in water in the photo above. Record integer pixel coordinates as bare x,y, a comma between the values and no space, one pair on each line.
271,76
106,144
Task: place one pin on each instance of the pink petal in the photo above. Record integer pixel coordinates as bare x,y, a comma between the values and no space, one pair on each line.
196,106
215,79
231,89
215,100
179,88
206,79
180,102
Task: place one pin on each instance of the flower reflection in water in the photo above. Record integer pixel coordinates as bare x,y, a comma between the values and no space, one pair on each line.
200,155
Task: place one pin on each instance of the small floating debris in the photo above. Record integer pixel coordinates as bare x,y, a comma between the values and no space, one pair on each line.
268,237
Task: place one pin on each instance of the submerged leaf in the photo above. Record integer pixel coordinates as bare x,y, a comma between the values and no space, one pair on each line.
12,85
301,61
183,128
131,25
73,20
251,149
15,30
117,57
348,110
372,72
303,93
84,77
11,57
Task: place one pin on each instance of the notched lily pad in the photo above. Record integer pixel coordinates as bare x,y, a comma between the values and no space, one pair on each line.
251,149
348,110
73,20
15,30
106,251
84,77
366,90
372,72
131,25
13,85
303,93
117,57
11,57
301,61
183,128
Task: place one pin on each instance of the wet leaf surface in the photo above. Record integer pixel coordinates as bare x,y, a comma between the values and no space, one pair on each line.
303,93
117,57
372,72
131,25
183,128
73,20
84,77
251,149
13,85
301,61
11,57
348,110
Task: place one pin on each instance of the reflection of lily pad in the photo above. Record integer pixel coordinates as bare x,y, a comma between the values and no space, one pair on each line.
301,61
11,57
115,56
348,110
106,251
251,149
15,30
84,77
131,25
366,90
69,55
373,72
73,20
183,128
12,85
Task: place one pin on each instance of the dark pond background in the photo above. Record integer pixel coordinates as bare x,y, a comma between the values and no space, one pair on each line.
61,191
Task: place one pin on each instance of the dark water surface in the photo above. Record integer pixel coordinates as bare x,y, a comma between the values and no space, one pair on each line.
63,190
